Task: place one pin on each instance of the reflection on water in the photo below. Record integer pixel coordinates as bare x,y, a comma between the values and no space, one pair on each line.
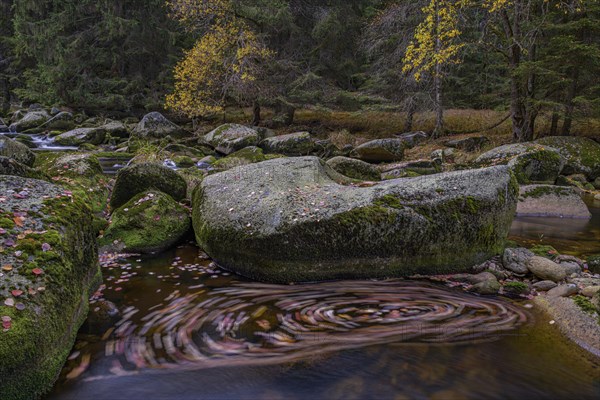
579,237
189,330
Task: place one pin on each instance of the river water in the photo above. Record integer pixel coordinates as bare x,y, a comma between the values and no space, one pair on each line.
189,330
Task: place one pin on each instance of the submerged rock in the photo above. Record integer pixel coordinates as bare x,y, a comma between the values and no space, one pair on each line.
16,151
141,177
156,126
51,257
380,150
150,222
355,169
551,201
289,220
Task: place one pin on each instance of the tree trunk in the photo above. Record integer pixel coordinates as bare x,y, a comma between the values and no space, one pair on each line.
569,104
554,123
521,124
410,116
437,82
256,113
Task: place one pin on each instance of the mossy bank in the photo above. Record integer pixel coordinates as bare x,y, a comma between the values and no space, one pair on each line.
49,267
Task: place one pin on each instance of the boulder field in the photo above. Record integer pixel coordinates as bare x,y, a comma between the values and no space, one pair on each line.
48,269
296,219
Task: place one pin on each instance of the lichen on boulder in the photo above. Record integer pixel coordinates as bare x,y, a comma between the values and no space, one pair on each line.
582,154
154,125
229,138
289,220
141,177
17,151
150,222
49,268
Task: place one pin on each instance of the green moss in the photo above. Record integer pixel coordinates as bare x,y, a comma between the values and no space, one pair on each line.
389,200
150,222
541,191
516,287
543,250
584,303
41,336
6,223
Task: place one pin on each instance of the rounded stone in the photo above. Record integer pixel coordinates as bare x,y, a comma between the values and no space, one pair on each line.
141,177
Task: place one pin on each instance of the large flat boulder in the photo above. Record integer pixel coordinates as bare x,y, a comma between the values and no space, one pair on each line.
49,268
292,144
289,220
551,201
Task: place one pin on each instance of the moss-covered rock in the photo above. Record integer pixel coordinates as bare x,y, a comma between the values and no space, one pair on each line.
141,177
355,169
230,138
290,220
551,201
17,151
542,166
504,154
245,156
380,150
472,143
116,129
30,120
293,144
411,169
80,136
155,126
8,166
81,173
63,121
52,254
582,154
150,222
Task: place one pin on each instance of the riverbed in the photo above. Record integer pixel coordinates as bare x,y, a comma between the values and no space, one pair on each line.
189,330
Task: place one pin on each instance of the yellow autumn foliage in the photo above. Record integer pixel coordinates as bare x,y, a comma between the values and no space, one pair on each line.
224,60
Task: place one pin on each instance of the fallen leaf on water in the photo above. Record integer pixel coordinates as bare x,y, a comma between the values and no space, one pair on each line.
37,271
9,302
46,247
7,268
16,292
18,221
20,306
85,363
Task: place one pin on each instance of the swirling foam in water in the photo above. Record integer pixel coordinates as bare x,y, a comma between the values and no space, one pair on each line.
253,323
